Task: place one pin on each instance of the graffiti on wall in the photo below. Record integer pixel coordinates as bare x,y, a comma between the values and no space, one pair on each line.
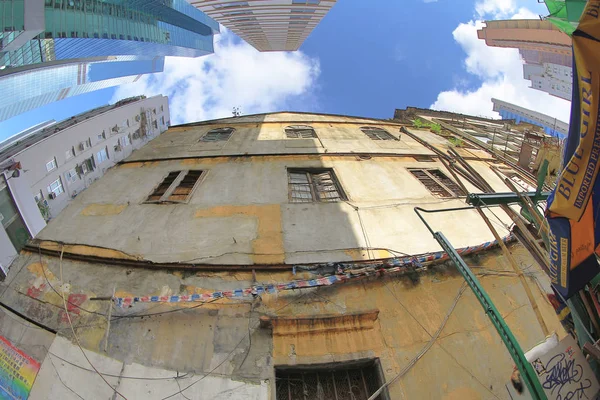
17,372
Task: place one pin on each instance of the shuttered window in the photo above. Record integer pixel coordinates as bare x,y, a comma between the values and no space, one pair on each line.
218,135
185,186
437,182
300,132
176,187
375,133
314,185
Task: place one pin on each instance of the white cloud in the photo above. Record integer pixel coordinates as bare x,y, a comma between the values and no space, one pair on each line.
236,75
499,69
496,8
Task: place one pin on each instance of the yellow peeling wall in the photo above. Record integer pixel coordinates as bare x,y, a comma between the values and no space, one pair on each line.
240,215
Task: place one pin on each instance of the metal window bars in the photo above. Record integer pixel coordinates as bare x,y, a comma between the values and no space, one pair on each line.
218,135
375,133
300,132
313,185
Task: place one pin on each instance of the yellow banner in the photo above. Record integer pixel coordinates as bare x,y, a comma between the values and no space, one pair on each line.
574,187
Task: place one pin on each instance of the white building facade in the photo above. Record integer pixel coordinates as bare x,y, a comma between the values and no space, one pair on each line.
62,160
551,125
554,79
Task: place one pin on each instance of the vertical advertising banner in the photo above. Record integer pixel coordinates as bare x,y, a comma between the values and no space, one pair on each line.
573,207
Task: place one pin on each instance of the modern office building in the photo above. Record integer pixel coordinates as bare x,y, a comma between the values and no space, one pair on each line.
268,25
552,126
39,31
61,160
54,49
34,88
545,49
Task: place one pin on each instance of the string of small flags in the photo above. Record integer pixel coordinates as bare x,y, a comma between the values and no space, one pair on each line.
388,266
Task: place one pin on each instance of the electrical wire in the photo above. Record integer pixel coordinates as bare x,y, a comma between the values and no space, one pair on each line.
425,348
462,288
230,353
73,330
63,382
56,291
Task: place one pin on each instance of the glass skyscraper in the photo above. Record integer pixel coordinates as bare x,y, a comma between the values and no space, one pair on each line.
53,49
30,89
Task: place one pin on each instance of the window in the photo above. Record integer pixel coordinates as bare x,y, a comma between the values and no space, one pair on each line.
231,4
85,145
125,141
102,155
437,183
313,185
161,109
155,124
357,381
306,1
102,136
218,135
162,121
39,197
56,187
70,154
375,133
71,176
176,187
51,165
87,166
300,132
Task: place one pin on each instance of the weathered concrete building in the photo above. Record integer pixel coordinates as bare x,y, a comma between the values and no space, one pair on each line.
273,256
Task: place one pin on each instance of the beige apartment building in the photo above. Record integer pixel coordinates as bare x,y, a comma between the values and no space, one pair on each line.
268,25
526,34
274,256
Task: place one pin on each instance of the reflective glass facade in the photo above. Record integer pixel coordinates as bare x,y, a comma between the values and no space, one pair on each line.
53,49
91,28
31,89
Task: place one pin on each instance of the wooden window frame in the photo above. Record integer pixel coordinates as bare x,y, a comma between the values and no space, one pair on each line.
203,138
165,197
427,172
371,130
312,185
294,132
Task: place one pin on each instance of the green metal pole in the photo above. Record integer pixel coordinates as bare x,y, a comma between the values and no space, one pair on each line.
527,373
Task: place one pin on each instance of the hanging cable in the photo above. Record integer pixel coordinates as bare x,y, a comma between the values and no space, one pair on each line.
73,330
425,348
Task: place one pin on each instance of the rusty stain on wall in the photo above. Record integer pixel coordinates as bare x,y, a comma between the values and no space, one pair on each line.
268,245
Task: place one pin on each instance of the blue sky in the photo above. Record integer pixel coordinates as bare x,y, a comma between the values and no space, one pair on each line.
364,59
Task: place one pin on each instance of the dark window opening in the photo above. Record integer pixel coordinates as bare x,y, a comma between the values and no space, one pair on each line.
437,182
314,185
300,132
185,187
423,158
177,187
163,187
355,380
375,133
218,135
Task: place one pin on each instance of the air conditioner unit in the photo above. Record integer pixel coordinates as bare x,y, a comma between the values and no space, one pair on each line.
118,147
51,195
81,146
